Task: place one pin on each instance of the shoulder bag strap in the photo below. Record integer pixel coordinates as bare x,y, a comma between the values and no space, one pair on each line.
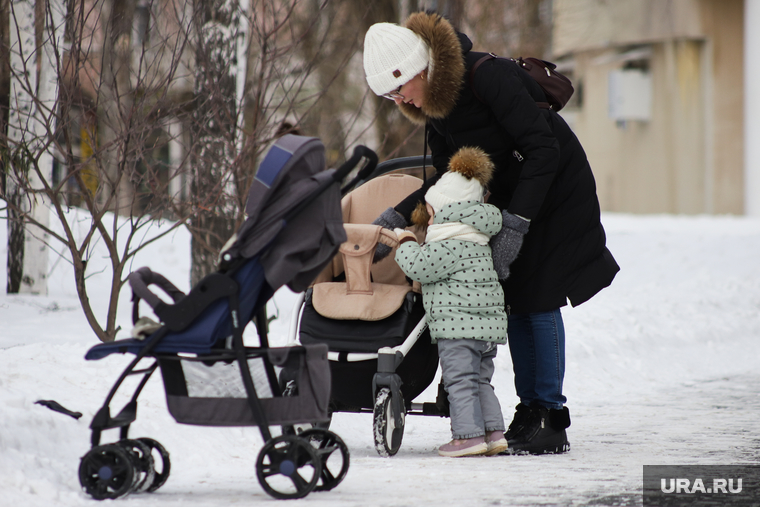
491,56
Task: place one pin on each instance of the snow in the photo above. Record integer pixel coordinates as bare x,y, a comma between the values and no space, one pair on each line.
662,369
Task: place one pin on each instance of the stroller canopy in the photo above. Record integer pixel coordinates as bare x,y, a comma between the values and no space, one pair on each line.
293,249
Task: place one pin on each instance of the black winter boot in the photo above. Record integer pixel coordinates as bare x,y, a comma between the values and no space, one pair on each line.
522,413
543,432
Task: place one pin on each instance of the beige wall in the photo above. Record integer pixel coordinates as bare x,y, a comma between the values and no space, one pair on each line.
725,27
688,158
581,25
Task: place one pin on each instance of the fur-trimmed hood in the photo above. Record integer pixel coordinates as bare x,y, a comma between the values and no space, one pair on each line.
446,71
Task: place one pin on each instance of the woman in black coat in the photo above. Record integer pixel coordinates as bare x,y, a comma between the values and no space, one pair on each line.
552,246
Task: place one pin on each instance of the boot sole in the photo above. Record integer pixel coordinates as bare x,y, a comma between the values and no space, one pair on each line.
495,449
476,450
550,449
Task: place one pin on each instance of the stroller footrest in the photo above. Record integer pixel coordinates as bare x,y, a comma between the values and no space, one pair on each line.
104,421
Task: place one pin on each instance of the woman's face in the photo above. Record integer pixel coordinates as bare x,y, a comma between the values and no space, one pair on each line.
413,91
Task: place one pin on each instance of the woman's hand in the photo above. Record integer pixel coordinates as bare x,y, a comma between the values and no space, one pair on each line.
507,243
389,219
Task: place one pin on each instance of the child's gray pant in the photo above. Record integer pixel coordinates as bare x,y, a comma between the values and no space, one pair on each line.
467,367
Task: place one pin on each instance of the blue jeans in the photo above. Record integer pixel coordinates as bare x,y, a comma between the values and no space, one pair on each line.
537,345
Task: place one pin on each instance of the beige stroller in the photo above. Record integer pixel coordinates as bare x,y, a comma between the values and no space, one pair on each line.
372,319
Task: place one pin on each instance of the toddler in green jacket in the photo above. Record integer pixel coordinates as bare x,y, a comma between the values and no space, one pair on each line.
463,298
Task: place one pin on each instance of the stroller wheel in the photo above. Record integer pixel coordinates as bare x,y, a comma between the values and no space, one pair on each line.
143,464
106,471
334,465
388,434
159,477
288,467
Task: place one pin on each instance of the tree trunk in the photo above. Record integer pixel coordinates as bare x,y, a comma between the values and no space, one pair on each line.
214,132
15,261
13,268
113,102
34,89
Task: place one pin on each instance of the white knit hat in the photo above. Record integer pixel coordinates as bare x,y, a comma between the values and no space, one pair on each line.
393,55
453,187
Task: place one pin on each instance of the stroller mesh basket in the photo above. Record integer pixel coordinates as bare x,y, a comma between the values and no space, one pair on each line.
212,393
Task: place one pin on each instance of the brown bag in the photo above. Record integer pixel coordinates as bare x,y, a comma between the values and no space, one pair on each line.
557,87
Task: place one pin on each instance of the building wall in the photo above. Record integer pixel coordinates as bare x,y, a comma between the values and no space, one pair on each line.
582,25
725,28
687,157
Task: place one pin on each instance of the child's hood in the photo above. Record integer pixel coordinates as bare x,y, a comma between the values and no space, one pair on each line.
486,218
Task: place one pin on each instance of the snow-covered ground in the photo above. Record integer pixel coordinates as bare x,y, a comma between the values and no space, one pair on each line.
662,369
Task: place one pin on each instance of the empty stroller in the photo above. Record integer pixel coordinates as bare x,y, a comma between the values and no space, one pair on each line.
372,318
210,377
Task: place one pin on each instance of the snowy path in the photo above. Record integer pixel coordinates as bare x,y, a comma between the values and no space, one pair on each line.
695,422
663,368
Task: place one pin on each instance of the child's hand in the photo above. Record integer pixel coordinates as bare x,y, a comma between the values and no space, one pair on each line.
404,235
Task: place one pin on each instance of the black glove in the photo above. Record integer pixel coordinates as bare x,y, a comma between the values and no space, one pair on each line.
507,243
389,219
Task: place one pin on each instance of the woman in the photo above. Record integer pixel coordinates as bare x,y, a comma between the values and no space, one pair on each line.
552,245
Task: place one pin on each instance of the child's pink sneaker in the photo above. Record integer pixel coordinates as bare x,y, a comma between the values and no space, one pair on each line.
475,446
496,443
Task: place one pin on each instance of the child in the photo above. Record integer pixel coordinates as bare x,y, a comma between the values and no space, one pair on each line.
462,297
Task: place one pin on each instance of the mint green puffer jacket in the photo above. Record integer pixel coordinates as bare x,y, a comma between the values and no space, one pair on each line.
461,292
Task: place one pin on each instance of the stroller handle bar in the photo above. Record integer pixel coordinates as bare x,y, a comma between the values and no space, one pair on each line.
360,152
395,164
186,308
140,280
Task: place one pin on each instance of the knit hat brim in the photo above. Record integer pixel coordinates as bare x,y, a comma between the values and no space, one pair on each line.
451,188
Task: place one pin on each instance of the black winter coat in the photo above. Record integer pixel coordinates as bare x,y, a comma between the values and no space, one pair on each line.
541,170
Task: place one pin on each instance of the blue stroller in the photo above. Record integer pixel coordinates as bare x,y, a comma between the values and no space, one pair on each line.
294,228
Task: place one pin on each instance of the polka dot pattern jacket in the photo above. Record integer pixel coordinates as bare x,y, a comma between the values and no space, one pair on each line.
461,292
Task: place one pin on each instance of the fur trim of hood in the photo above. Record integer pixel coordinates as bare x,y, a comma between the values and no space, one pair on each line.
420,216
446,71
472,162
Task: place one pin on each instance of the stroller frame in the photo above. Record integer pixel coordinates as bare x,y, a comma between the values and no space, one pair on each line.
128,466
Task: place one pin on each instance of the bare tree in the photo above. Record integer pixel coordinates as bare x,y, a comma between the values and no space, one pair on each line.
214,131
510,27
33,88
164,109
101,127
151,121
299,59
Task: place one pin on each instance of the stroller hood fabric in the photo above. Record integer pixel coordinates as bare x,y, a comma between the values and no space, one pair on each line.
291,253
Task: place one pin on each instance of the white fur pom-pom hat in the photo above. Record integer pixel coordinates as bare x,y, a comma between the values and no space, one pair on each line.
470,170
